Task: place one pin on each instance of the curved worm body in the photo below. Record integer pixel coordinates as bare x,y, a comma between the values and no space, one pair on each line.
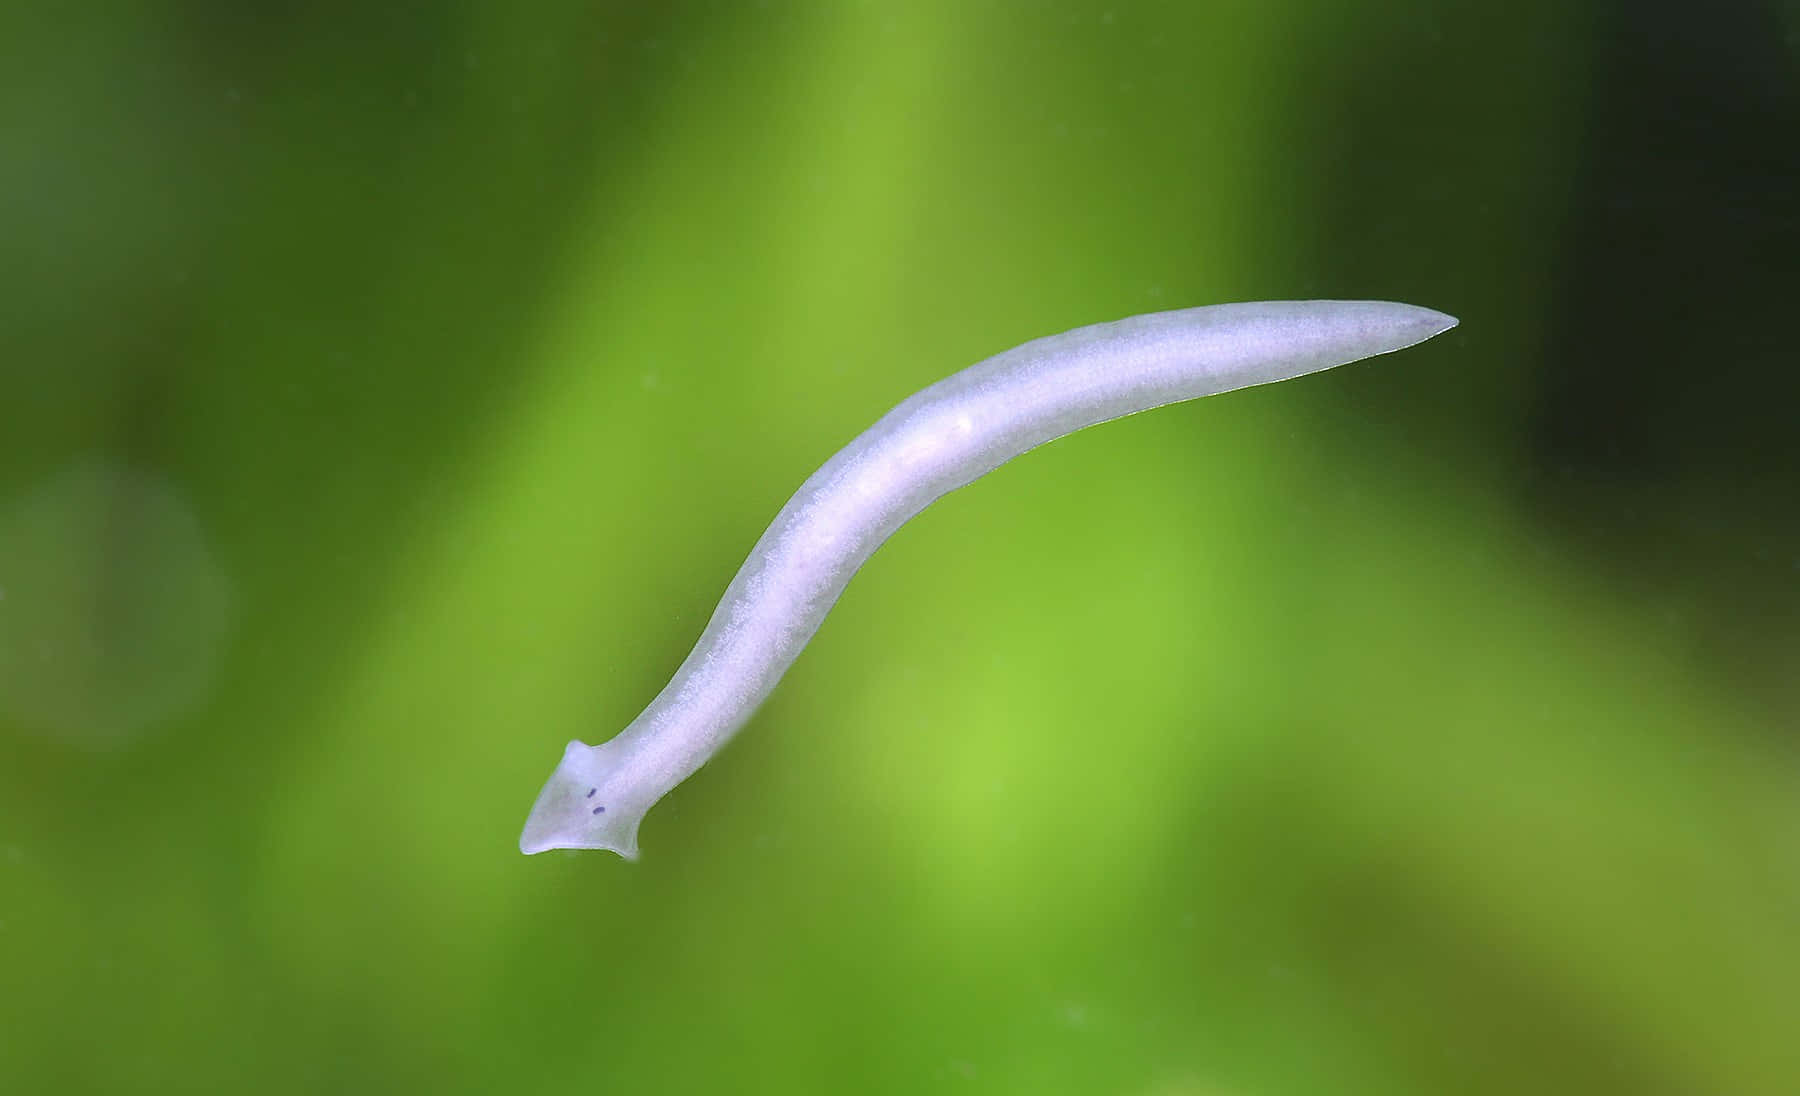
934,442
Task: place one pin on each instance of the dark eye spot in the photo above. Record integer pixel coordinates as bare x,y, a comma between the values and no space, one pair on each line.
599,810
590,793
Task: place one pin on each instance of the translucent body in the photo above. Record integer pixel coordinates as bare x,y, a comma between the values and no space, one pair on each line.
934,442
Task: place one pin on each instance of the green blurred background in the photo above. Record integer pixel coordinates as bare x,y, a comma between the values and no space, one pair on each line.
390,391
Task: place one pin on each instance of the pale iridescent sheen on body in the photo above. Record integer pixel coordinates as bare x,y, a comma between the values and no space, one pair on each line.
935,441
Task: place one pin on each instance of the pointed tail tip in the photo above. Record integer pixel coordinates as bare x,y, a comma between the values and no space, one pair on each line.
1435,322
1413,324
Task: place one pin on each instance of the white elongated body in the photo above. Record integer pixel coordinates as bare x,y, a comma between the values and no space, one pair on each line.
934,442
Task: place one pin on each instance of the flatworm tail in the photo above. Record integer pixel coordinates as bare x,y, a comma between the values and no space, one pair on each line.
935,441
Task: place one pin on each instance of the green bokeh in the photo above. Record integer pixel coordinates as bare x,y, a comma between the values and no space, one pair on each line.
451,357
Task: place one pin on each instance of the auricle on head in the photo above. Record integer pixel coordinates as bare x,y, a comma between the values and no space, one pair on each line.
581,806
